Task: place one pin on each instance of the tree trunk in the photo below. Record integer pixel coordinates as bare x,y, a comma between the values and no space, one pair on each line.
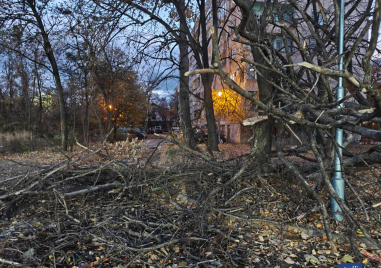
50,55
86,115
207,80
73,132
263,132
185,117
40,108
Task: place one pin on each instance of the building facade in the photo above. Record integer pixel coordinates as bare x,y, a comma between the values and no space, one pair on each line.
232,54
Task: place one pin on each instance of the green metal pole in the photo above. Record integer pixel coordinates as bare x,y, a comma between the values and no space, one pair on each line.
337,181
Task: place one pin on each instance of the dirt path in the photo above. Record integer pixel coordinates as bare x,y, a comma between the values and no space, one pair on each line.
11,168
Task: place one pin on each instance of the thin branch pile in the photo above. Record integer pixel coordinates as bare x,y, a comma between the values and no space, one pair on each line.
191,213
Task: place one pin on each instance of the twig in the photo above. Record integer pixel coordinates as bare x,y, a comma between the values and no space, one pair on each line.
274,192
182,146
104,187
10,262
238,193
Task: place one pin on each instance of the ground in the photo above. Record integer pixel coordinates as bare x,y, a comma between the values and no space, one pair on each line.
177,210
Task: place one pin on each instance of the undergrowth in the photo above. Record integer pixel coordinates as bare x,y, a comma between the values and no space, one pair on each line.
20,141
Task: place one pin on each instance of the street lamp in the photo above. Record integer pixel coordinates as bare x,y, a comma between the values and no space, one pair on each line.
337,181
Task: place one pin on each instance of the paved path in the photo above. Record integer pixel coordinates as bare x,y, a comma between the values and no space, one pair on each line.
153,142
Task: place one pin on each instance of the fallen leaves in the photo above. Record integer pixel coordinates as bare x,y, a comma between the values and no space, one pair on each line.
311,259
289,261
347,258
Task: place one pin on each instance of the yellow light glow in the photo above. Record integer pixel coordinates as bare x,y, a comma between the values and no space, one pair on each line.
219,94
110,106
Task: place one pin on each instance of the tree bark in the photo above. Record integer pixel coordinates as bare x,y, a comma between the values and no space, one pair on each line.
263,132
207,80
50,55
185,117
86,115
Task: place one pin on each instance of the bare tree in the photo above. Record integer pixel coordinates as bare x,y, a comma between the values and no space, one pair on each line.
28,17
294,49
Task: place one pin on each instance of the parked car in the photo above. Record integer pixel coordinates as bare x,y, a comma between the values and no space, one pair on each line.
201,135
174,130
151,130
123,131
141,134
158,130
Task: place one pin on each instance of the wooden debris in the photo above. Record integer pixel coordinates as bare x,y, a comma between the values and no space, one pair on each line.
255,120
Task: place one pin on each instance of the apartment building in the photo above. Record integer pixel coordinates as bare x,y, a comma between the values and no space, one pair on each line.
231,53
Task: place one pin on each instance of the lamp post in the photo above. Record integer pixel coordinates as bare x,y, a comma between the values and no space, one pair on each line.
337,181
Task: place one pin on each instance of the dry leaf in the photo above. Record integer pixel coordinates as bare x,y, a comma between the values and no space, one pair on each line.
304,236
311,259
289,261
347,258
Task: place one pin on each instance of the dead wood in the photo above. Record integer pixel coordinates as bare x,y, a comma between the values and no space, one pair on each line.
205,209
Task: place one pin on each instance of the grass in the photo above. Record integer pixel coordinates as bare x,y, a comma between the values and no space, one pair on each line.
20,141
23,135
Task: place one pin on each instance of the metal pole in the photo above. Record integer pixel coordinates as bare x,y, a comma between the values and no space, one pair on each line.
337,181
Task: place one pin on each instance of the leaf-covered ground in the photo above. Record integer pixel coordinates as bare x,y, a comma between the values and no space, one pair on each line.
115,209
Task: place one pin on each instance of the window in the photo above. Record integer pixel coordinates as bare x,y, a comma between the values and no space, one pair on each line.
223,58
290,44
313,43
288,15
231,29
258,15
251,73
319,18
233,52
222,12
231,5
